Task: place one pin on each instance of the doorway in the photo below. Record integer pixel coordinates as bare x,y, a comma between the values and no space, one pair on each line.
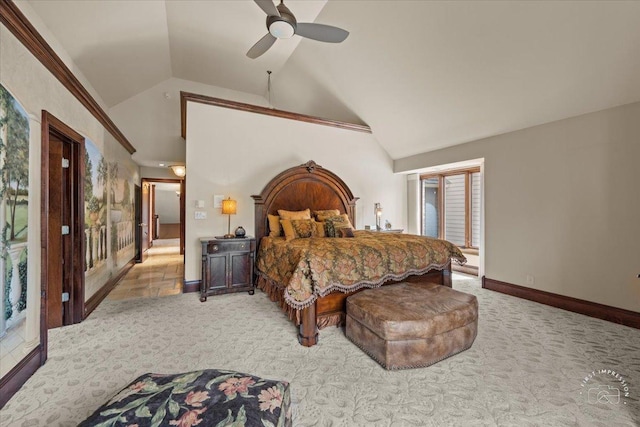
451,207
62,300
156,222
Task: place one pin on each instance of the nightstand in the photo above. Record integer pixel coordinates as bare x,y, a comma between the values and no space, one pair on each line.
227,266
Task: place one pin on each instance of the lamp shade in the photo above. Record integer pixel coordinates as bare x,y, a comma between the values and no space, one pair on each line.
229,207
179,170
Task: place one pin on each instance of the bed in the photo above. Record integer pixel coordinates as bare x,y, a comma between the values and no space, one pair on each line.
302,275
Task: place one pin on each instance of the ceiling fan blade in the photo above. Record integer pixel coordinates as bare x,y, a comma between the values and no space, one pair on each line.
261,46
321,32
268,7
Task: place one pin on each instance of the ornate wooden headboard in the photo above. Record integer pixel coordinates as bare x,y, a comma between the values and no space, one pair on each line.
301,187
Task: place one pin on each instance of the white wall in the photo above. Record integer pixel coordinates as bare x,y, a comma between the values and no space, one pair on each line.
235,153
168,206
413,204
151,119
562,204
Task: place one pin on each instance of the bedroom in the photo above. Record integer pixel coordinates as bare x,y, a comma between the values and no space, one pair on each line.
569,148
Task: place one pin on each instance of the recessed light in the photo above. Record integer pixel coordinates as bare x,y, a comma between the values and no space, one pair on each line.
162,164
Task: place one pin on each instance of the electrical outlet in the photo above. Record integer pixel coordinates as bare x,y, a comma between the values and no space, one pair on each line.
530,279
200,215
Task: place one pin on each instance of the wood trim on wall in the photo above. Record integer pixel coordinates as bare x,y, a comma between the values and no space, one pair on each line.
25,32
588,308
234,105
448,172
102,293
19,375
191,286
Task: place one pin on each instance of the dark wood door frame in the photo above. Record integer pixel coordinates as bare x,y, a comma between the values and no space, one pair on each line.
52,125
152,215
138,219
182,183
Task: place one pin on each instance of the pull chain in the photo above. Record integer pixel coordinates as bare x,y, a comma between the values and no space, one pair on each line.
269,88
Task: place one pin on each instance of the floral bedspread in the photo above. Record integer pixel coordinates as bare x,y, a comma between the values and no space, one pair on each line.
314,267
207,398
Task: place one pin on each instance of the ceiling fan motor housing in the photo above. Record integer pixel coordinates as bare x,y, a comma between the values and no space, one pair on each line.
283,26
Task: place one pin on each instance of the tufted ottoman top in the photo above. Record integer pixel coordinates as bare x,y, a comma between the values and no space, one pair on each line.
408,311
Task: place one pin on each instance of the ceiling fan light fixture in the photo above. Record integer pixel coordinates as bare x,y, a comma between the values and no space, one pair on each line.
282,24
281,29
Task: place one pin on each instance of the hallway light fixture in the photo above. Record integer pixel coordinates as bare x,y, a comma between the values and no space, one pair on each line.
229,207
179,170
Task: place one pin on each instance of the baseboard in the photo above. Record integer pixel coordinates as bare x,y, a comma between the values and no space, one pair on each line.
19,375
466,269
102,293
588,308
191,286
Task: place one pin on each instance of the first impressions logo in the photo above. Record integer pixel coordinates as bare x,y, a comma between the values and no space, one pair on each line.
605,386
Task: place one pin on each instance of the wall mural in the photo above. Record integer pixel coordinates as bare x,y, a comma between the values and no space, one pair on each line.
14,202
122,214
95,217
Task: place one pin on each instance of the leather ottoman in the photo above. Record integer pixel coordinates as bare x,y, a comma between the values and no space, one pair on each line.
411,325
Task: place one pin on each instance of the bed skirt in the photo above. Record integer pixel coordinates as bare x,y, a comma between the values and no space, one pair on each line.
275,292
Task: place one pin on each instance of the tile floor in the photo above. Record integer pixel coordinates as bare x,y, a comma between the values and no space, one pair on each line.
161,274
12,347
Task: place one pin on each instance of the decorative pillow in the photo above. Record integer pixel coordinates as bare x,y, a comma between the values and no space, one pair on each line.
274,226
335,222
305,214
299,228
344,232
320,229
207,398
324,214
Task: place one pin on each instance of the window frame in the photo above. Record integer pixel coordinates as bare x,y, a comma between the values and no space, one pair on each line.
441,175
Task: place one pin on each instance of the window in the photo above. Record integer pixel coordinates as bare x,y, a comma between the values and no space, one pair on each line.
451,206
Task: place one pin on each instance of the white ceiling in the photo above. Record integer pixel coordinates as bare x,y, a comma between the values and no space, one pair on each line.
125,47
424,75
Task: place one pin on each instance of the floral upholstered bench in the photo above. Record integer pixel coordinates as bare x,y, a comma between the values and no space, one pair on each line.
206,398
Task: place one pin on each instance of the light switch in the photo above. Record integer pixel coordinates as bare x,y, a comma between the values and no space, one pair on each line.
200,215
199,204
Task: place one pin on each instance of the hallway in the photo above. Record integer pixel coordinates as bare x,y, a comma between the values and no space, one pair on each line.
161,274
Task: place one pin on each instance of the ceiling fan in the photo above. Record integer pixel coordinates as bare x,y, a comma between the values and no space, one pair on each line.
282,25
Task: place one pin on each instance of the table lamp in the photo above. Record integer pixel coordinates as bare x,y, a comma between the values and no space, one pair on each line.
377,210
229,208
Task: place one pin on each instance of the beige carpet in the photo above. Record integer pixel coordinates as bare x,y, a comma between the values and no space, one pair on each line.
526,367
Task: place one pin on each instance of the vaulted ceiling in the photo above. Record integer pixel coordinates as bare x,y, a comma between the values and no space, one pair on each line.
424,75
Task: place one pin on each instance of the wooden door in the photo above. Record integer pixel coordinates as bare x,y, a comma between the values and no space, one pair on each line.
152,214
62,222
138,220
144,224
55,246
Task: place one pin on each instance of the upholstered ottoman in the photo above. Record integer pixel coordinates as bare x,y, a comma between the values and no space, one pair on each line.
206,398
411,325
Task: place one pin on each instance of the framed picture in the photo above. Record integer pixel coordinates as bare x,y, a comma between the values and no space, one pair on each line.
217,200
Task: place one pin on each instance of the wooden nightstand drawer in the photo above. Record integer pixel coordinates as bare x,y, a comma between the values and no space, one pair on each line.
229,246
